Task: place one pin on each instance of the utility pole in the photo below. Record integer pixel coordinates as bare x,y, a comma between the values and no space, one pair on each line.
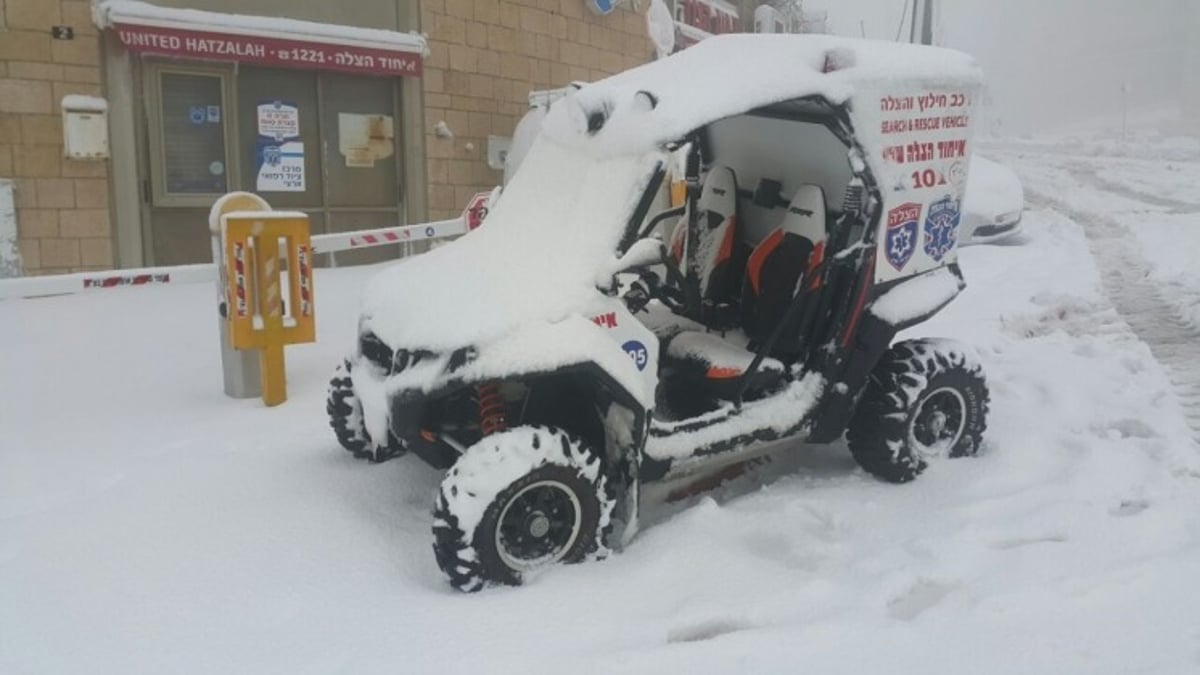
927,24
912,26
922,15
746,14
1190,86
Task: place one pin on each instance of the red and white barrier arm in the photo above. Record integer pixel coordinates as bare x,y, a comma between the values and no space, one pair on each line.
61,284
345,241
27,287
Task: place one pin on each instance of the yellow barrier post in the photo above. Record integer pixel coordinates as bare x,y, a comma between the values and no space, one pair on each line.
256,309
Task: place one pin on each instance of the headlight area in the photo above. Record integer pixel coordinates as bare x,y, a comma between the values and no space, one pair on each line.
429,411
375,351
395,361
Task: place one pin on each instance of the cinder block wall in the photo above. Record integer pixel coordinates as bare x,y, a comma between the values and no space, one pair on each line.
485,58
487,55
62,205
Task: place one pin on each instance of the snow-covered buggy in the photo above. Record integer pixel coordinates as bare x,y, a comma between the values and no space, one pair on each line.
563,354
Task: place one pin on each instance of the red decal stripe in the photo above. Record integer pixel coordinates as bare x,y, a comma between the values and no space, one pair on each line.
759,257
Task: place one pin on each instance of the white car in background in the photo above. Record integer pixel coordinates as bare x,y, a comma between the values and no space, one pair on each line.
993,203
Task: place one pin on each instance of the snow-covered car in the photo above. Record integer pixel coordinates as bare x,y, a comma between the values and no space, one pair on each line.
993,203
559,358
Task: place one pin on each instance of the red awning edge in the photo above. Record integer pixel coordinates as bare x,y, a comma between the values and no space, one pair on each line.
186,33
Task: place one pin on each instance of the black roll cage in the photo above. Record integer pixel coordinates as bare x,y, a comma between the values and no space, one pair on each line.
847,269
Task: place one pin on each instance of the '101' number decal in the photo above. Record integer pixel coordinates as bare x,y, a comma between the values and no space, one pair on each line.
927,179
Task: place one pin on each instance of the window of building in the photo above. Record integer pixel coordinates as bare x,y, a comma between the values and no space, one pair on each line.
189,136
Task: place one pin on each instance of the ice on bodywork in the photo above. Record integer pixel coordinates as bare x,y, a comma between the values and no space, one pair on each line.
573,340
559,221
781,413
917,297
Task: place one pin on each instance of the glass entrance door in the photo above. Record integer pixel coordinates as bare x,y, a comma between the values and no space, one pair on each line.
189,141
322,143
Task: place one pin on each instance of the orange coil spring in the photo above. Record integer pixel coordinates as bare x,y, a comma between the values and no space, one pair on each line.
492,409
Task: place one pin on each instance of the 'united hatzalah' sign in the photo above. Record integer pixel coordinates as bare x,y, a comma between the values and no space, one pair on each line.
275,51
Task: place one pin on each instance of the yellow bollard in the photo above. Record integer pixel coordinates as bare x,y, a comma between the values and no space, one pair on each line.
253,266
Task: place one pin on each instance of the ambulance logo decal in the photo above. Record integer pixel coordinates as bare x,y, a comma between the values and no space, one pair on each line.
903,225
941,228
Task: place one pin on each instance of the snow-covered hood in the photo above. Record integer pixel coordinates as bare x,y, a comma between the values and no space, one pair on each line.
537,258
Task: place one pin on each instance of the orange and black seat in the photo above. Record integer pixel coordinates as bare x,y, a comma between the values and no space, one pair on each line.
782,262
720,365
720,251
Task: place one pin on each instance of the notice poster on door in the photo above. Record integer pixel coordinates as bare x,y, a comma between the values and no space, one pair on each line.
278,119
278,151
280,166
364,139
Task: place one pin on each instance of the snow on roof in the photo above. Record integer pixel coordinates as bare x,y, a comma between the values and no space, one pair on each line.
731,74
109,12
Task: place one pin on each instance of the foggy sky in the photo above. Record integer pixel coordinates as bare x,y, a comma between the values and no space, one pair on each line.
1050,64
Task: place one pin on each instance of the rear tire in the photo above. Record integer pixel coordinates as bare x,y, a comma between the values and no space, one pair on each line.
346,419
925,399
517,501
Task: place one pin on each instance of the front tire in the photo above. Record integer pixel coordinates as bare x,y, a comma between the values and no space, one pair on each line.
346,419
925,399
517,501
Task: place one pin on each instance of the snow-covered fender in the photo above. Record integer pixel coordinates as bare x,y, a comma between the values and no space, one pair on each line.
895,306
601,335
634,339
912,300
627,430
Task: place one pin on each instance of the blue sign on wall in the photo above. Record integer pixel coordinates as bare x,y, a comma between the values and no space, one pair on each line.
602,7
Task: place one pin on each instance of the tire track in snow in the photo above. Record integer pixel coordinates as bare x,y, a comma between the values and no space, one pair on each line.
1090,175
1125,275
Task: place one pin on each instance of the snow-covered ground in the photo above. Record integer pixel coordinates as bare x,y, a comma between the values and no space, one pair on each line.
1147,185
149,524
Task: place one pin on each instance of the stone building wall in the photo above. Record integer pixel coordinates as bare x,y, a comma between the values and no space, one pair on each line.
63,219
485,58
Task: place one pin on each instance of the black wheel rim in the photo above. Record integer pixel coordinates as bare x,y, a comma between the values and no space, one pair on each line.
538,526
937,422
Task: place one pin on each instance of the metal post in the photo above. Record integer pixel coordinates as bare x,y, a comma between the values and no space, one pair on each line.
927,24
239,368
1124,111
912,27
